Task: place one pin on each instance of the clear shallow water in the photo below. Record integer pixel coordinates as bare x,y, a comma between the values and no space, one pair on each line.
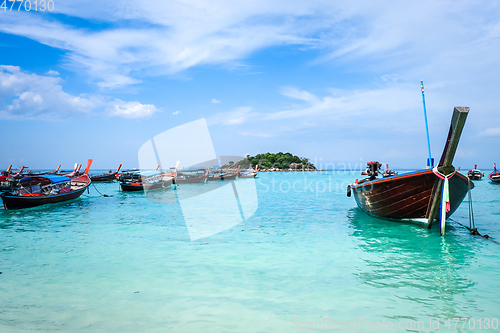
127,264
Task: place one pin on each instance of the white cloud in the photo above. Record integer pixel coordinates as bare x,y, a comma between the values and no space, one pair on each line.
258,134
215,101
491,132
53,73
131,109
176,112
169,37
235,117
346,103
30,96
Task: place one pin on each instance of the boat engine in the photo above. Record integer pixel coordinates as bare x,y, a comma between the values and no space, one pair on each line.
372,169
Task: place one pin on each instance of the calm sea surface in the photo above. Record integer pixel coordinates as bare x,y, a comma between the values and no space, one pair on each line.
307,259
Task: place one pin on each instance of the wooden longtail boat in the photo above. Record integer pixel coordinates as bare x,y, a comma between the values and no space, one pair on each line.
475,174
44,189
198,176
31,174
8,181
416,196
144,181
224,175
495,175
107,177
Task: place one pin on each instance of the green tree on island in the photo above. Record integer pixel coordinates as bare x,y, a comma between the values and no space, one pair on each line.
279,160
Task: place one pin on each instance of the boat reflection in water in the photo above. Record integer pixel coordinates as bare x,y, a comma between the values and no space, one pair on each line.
424,274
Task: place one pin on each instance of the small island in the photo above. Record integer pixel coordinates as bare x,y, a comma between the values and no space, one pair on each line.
273,162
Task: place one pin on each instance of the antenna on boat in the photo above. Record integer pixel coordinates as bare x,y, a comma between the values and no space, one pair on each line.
430,162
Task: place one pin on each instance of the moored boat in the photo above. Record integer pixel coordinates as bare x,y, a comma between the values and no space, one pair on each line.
191,177
144,181
417,196
495,175
107,177
475,174
223,175
8,180
39,190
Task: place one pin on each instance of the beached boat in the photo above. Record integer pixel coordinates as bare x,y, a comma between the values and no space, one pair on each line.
39,190
190,177
144,180
416,196
388,172
107,177
475,174
495,175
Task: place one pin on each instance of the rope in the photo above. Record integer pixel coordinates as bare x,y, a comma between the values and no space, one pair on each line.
445,202
474,231
471,210
104,195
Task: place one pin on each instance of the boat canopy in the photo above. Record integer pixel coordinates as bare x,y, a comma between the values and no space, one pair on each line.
54,179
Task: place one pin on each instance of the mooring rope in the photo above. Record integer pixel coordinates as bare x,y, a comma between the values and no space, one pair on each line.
104,195
471,210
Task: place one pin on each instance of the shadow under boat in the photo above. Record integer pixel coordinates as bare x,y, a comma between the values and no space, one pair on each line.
417,196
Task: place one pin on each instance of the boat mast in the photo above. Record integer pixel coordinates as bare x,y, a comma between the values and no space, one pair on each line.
430,162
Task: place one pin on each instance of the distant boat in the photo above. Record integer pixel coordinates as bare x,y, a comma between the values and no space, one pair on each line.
39,190
475,174
250,173
8,180
416,196
54,172
191,177
144,180
107,177
388,172
221,175
495,175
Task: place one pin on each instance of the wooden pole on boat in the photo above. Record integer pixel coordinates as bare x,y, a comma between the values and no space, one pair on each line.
118,170
445,164
430,163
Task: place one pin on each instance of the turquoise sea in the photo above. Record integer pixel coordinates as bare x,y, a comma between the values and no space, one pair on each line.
307,259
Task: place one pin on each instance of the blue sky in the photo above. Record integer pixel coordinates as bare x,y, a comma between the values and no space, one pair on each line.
333,81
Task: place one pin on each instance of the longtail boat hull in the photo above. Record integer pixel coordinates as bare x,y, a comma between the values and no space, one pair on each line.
104,178
190,180
248,176
128,187
406,197
495,175
417,196
18,202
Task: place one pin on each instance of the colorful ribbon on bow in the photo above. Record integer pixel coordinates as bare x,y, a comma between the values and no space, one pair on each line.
445,196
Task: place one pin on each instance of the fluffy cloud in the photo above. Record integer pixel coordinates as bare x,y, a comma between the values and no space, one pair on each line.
491,132
131,109
31,96
28,96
